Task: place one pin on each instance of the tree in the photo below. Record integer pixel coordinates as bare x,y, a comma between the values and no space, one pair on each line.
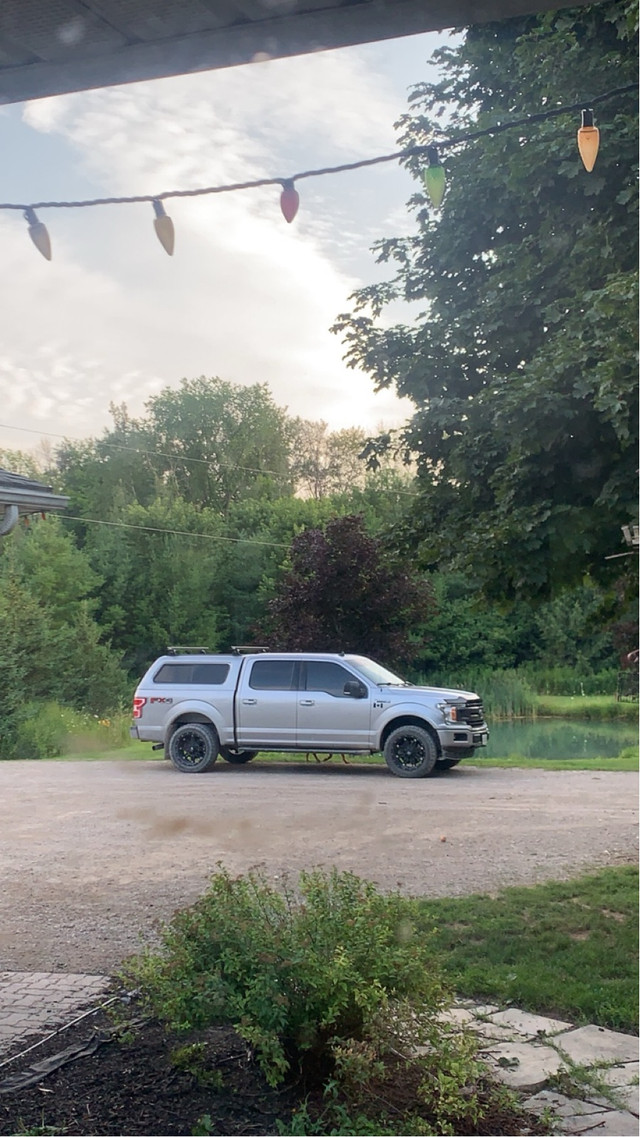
209,441
220,441
327,462
50,644
523,364
345,592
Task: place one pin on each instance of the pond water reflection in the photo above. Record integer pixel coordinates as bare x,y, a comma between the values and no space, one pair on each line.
559,738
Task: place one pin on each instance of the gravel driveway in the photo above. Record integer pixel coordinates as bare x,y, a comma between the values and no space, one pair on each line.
93,853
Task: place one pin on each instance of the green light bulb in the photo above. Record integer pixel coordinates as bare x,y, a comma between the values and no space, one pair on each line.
434,181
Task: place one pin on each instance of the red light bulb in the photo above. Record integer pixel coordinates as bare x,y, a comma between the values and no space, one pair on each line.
289,201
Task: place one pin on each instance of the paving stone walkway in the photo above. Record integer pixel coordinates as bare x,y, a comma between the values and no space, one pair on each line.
522,1049
35,1002
598,1067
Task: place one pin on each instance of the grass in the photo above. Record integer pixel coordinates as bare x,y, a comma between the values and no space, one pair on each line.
135,751
130,752
565,949
627,759
601,707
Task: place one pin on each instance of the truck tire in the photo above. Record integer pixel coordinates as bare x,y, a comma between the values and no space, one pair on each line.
410,752
193,747
237,757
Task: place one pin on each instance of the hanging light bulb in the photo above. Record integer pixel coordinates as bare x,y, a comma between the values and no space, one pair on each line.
588,140
38,233
289,200
434,177
163,226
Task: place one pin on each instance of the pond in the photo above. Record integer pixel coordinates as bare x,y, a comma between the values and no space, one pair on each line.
559,738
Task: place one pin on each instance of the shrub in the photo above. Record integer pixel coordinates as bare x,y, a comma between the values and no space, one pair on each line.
47,730
334,981
303,977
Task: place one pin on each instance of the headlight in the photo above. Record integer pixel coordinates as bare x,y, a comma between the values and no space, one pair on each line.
450,713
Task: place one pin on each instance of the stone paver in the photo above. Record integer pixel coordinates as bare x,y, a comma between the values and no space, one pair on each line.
33,1002
621,1097
523,1065
623,1075
528,1025
585,1042
561,1105
613,1123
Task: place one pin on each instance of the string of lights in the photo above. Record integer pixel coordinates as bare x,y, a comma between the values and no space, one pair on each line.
279,475
434,178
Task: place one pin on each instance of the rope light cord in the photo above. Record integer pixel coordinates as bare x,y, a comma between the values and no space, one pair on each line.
287,182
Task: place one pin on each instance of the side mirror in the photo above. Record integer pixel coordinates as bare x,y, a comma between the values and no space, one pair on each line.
355,689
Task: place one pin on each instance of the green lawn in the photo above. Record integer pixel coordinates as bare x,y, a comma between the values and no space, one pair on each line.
566,949
626,760
136,751
601,707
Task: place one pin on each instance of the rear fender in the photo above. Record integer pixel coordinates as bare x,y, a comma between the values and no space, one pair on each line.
192,710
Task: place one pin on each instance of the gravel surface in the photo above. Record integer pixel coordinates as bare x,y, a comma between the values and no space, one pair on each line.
93,854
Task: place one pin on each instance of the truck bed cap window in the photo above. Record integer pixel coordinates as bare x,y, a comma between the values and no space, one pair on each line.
198,674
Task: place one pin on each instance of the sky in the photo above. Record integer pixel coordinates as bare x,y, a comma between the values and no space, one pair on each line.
246,296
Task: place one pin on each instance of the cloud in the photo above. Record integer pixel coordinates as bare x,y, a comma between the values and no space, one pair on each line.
246,296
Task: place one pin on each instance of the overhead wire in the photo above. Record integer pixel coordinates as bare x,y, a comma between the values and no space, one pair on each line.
176,532
172,456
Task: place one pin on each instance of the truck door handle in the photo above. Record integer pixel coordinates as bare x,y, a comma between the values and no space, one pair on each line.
307,702
249,702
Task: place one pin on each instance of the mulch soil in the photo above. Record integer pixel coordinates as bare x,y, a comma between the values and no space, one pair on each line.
133,1086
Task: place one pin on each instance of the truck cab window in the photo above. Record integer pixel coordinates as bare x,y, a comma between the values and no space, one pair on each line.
272,675
325,676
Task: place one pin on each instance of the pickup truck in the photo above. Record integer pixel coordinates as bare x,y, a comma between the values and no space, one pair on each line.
198,705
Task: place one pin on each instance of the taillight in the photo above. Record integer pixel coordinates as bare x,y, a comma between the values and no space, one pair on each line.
138,704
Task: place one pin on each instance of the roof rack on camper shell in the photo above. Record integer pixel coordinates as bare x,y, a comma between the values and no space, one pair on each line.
184,649
236,649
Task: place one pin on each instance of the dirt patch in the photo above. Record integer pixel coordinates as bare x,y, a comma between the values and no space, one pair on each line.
94,854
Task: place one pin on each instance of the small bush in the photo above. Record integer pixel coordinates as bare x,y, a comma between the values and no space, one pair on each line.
331,981
298,975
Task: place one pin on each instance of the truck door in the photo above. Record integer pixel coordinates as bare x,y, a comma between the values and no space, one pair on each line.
329,718
266,704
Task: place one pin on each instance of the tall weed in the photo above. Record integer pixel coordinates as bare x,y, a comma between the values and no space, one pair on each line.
505,694
569,680
47,730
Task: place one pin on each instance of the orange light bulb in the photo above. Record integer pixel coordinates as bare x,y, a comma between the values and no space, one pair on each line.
588,141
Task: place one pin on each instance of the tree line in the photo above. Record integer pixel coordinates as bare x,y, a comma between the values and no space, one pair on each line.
479,535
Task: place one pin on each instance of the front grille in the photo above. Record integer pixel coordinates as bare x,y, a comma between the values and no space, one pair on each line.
472,712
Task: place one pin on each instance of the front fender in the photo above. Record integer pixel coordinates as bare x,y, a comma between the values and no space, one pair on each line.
407,710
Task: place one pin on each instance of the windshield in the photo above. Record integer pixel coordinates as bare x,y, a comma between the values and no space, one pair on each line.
376,673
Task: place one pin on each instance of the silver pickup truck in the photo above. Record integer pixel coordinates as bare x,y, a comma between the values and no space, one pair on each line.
198,705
